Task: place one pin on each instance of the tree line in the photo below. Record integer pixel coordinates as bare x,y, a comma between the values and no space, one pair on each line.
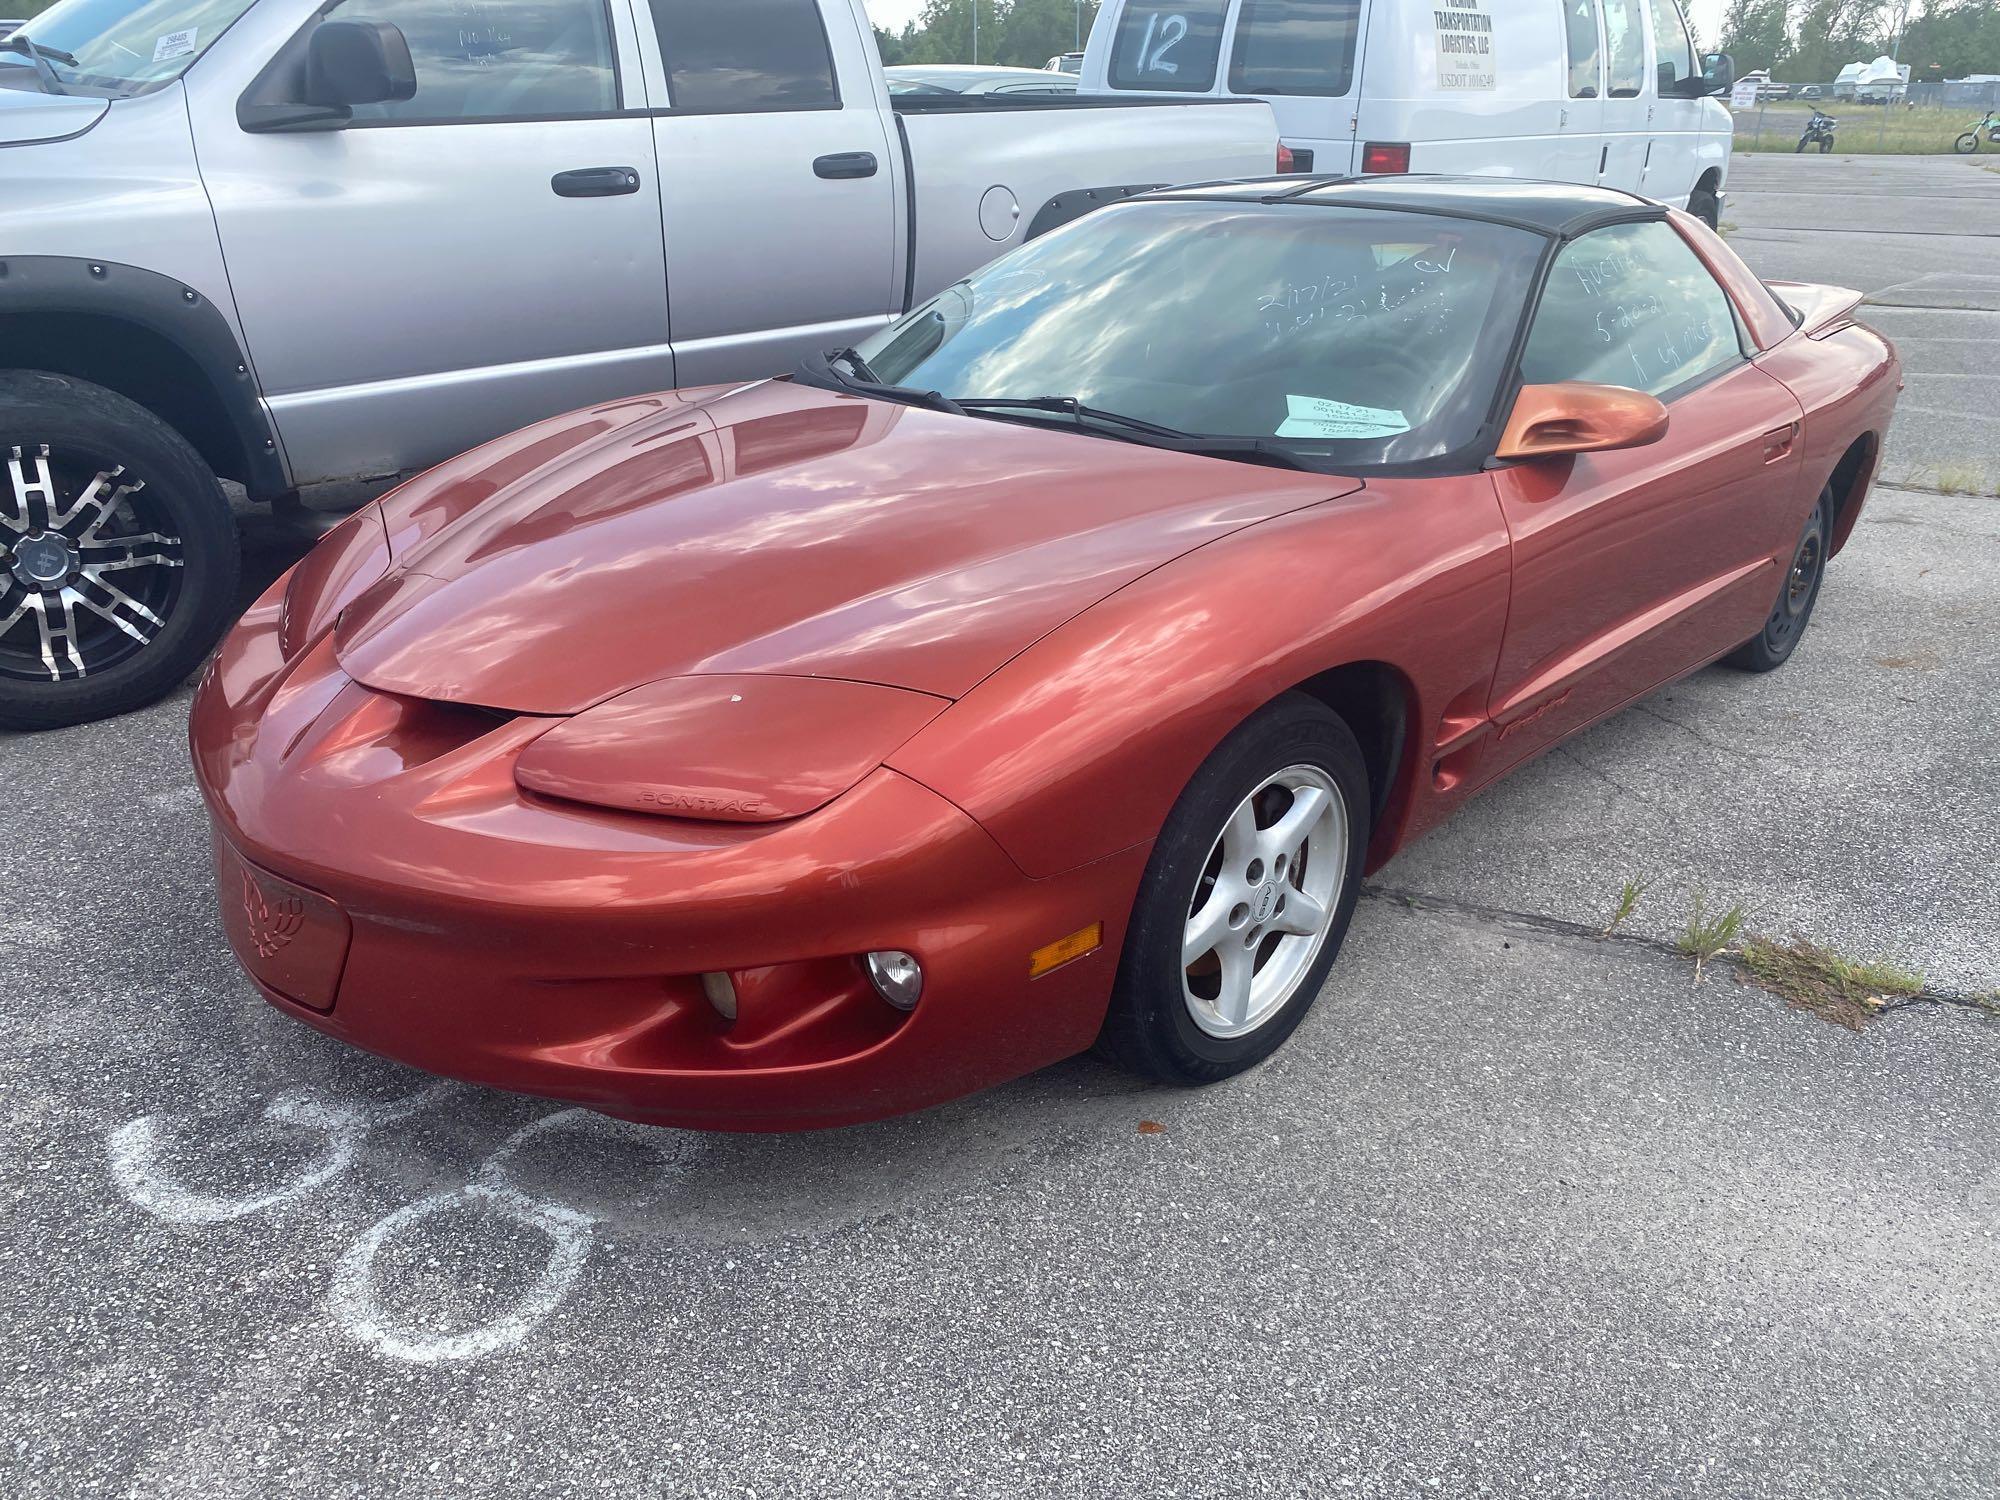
1809,41
1019,33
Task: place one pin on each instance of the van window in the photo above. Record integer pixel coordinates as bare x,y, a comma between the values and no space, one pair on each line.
1168,46
504,59
1633,306
1672,48
1625,36
1294,47
746,57
1586,70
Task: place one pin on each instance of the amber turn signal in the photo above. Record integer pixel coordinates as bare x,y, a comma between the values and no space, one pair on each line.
1062,950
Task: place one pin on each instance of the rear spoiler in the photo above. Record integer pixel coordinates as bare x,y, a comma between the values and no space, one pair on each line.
1819,310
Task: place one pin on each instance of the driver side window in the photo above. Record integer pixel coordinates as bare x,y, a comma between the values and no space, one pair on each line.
498,59
1632,306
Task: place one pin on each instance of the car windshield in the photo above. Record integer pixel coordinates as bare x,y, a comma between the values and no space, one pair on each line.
1367,335
121,47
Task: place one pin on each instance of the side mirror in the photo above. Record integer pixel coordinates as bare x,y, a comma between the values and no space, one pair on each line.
1718,72
1575,416
358,62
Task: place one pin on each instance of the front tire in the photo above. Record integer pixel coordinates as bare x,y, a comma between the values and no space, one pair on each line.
1245,901
1772,646
1800,147
1966,144
118,556
1704,205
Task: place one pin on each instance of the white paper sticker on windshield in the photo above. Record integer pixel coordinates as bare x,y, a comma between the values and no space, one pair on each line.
1317,417
174,44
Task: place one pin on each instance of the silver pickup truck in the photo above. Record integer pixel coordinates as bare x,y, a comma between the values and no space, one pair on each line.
291,241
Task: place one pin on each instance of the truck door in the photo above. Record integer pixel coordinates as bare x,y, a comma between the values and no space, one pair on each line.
1581,117
1674,162
447,267
778,181
1628,107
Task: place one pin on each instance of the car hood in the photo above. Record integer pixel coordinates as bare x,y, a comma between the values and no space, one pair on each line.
27,116
772,529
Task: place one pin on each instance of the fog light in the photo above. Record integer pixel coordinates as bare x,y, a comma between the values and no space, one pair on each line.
721,992
897,977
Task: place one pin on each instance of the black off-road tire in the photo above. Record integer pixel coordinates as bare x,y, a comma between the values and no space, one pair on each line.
87,429
1149,1029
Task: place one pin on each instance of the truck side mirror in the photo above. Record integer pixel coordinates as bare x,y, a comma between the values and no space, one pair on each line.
358,62
1718,73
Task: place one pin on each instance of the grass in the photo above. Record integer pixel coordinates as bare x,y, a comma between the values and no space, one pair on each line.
1865,129
1849,992
1965,479
1704,937
1628,902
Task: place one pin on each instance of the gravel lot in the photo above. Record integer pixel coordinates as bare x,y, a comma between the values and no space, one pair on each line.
1518,1211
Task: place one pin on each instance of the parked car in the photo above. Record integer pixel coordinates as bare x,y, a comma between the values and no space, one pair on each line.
998,83
8,28
1068,62
1046,669
1811,91
1610,92
279,243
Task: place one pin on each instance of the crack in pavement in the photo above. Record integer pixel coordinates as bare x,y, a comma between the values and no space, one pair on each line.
1988,1007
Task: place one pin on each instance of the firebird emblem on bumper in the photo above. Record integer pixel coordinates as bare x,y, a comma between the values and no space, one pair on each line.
272,924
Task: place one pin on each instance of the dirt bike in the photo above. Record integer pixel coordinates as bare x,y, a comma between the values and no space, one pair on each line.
1819,130
1969,142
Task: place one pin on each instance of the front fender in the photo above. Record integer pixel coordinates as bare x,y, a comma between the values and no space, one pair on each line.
1079,746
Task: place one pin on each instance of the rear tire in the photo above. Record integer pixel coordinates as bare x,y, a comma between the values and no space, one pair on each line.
1798,592
1825,146
118,555
1255,874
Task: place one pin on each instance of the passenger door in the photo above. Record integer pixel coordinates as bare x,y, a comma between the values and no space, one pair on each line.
1581,117
778,187
434,274
1672,159
1633,566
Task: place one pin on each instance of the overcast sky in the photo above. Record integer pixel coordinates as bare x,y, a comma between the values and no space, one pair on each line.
895,13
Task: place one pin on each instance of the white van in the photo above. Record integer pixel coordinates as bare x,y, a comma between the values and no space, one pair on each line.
1597,91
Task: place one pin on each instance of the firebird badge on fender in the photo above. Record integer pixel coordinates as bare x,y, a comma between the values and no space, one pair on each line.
272,924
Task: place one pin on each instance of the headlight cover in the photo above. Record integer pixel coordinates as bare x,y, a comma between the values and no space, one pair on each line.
730,749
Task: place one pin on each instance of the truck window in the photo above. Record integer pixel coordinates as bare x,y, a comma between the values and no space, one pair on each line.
1168,46
1631,306
1673,50
482,59
738,57
1294,47
1586,70
1625,38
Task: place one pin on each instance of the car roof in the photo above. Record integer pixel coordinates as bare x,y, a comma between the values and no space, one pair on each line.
1561,209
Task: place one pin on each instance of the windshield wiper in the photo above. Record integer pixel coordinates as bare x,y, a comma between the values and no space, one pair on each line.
822,370
39,55
1137,429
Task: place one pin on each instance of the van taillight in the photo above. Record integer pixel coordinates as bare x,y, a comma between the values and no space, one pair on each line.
1385,156
1286,161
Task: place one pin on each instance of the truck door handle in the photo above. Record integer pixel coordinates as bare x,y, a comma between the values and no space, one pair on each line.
595,182
845,164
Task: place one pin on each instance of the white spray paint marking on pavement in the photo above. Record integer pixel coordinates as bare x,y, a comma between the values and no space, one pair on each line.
356,1303
137,1168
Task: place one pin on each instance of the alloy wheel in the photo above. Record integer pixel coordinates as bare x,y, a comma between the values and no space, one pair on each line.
89,567
1265,901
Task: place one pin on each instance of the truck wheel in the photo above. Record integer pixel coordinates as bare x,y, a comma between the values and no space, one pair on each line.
1703,205
118,559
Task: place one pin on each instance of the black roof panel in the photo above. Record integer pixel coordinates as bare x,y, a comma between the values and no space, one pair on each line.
1564,209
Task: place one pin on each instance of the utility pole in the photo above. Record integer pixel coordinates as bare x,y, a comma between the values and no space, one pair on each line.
1079,25
975,32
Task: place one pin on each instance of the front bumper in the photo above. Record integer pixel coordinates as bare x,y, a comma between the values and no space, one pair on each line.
556,949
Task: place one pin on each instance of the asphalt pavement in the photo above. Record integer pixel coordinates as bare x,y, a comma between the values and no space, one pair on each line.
1519,1210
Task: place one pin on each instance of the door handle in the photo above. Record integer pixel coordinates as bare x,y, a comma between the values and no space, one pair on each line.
595,182
1778,441
845,164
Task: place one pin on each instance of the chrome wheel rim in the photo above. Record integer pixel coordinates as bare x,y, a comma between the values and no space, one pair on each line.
1264,903
89,569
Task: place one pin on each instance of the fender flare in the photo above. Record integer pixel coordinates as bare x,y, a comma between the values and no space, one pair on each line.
55,285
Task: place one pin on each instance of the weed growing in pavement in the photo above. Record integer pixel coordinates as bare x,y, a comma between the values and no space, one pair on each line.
1704,938
1628,902
1965,479
1849,992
